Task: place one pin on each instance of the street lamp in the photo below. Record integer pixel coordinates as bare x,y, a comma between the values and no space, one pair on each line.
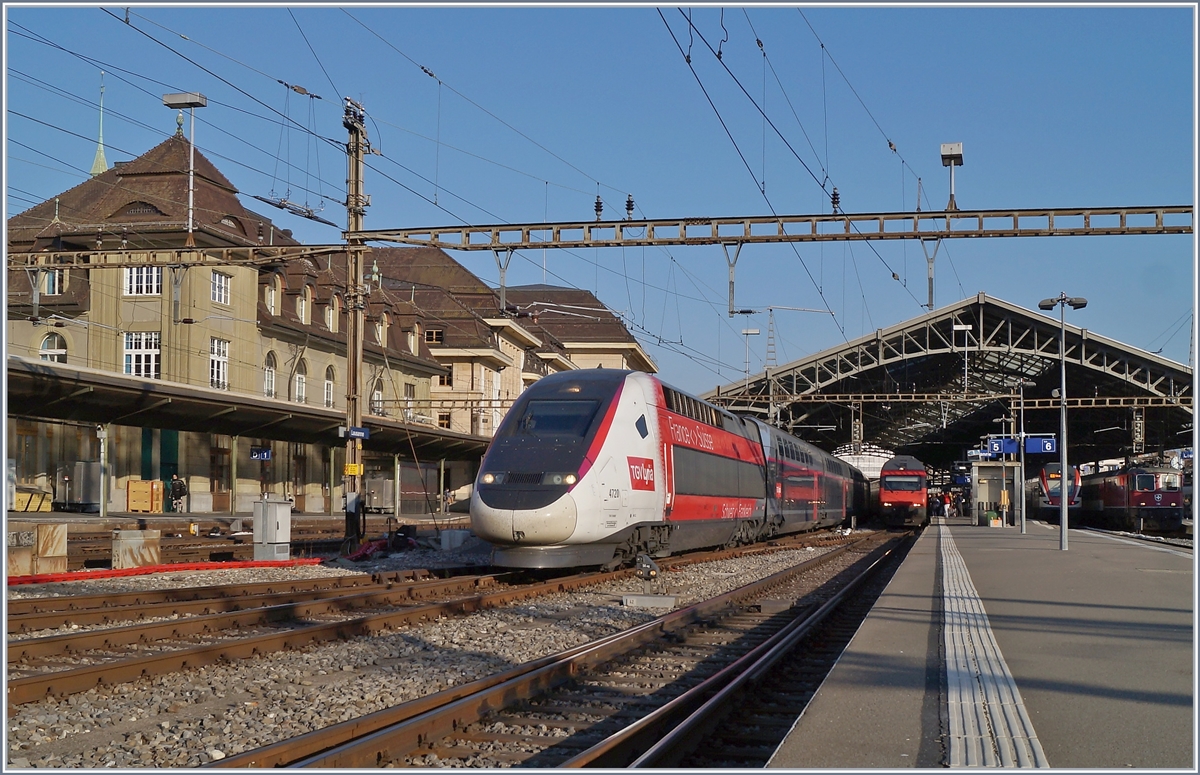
1076,302
749,332
179,101
966,343
952,157
1021,385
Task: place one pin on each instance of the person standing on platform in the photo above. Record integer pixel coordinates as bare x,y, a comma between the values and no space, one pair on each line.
177,492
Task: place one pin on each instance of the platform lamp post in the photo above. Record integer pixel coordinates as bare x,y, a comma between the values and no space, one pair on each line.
179,101
1076,302
1021,385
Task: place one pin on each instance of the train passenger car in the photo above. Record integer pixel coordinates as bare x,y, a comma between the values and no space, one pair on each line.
901,494
593,467
1134,498
1042,493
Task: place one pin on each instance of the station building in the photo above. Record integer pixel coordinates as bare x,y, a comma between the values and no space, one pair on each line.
250,360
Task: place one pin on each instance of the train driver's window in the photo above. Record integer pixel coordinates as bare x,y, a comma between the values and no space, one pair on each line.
1144,483
1170,482
564,418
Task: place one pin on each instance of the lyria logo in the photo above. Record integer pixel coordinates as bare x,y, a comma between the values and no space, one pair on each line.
641,473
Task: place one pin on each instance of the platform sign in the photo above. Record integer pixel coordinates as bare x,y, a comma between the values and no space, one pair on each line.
352,469
1041,446
260,453
358,433
1187,454
1002,446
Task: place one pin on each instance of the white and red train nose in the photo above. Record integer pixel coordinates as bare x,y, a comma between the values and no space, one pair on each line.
550,524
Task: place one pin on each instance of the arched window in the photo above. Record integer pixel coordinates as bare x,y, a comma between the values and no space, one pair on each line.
329,380
377,399
301,378
381,330
269,376
54,348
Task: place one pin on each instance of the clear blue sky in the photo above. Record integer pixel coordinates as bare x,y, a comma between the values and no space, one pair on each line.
533,111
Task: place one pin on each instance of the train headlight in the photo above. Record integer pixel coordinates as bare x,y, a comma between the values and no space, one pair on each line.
492,478
567,479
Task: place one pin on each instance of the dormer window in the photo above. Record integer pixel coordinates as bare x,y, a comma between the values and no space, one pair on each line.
435,336
381,330
141,208
272,296
303,304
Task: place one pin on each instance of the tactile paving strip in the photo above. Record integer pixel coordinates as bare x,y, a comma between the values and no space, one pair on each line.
989,726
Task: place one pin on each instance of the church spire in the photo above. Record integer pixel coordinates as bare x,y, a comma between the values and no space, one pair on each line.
100,164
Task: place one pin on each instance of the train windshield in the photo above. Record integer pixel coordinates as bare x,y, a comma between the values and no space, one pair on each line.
555,418
1170,482
1144,483
911,483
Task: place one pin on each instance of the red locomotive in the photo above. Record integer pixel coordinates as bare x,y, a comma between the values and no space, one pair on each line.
901,496
1134,498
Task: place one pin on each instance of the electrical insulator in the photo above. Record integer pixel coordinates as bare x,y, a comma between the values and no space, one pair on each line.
599,207
629,207
835,199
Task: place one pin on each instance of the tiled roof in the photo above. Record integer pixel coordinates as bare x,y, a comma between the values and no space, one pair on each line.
569,314
146,198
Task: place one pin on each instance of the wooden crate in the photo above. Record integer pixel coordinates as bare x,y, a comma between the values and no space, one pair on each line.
32,501
145,497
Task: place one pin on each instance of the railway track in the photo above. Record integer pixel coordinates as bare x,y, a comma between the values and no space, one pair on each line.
122,638
603,703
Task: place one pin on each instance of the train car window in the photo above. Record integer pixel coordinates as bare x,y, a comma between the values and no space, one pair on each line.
907,483
1169,482
555,418
702,473
1144,483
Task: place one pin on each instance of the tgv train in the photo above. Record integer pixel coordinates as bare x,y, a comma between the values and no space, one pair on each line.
901,494
1043,493
593,467
1134,498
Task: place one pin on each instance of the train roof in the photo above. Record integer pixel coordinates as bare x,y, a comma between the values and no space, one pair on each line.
903,463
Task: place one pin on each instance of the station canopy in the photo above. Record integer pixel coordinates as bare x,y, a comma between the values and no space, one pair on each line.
940,384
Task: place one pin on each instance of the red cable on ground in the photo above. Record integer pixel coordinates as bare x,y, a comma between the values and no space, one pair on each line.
86,575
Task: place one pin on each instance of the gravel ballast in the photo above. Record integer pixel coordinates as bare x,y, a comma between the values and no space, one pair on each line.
204,714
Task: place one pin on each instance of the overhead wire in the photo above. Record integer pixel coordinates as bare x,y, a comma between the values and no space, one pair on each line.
288,121
891,145
748,169
240,137
750,97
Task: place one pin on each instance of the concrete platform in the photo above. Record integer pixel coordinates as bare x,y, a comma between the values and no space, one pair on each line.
992,648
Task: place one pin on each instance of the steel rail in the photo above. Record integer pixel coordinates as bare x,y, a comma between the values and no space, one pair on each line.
76,603
390,743
72,681
218,614
750,669
287,751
